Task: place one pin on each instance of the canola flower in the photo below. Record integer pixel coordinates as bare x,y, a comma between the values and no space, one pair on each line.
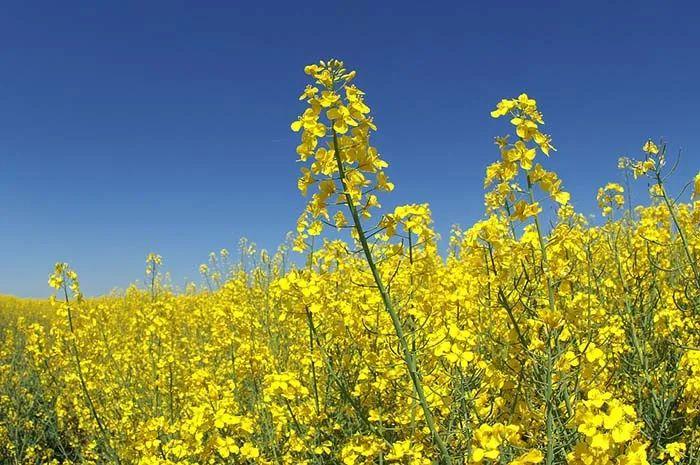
539,338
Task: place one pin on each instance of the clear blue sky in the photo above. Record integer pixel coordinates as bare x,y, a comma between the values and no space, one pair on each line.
129,127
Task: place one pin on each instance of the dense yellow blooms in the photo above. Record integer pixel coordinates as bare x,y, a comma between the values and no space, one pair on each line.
538,337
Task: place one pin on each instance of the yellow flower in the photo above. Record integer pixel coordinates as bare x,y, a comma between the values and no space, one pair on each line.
309,92
520,152
341,118
525,210
531,457
596,398
249,451
650,147
600,441
675,451
328,98
524,128
226,446
503,107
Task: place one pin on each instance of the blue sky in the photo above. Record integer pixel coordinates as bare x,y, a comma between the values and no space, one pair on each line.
129,127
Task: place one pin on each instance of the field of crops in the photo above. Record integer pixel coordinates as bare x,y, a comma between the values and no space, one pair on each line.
526,338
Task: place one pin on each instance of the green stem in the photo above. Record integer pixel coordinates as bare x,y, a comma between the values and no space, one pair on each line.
408,356
672,212
548,392
81,378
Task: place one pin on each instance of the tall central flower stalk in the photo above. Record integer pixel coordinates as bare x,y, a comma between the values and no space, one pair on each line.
347,172
518,158
65,281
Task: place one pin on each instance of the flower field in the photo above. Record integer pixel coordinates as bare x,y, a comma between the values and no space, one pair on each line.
525,338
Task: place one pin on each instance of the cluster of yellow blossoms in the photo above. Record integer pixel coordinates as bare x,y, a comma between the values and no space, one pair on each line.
538,337
344,167
516,158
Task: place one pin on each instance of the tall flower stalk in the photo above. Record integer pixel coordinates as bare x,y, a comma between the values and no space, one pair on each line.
65,281
347,171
